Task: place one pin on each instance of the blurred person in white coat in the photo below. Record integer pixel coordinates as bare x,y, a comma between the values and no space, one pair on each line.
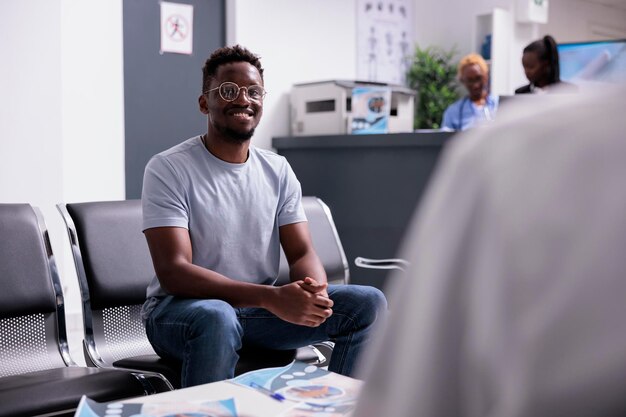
515,301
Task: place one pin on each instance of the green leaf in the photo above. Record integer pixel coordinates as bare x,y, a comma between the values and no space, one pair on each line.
433,76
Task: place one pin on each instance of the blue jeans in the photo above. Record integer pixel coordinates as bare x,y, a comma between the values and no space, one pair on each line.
205,334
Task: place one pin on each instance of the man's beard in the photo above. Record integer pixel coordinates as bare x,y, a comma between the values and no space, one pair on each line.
234,136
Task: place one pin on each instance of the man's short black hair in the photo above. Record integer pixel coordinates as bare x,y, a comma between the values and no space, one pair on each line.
225,55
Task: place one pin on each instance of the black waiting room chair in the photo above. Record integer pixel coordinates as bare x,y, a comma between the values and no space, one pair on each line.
326,242
114,268
37,374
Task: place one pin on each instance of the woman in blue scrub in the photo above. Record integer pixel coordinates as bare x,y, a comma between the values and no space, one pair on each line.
478,106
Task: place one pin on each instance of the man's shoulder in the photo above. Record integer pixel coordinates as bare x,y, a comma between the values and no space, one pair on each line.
265,153
270,164
182,147
177,154
269,156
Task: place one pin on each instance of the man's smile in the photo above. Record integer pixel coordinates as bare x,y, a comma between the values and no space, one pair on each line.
242,114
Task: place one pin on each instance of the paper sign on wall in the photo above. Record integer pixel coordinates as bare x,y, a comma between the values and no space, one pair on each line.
532,11
176,28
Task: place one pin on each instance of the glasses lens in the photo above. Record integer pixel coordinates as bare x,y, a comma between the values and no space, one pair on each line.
256,92
229,91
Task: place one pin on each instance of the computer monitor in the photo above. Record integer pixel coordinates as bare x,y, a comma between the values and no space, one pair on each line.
588,63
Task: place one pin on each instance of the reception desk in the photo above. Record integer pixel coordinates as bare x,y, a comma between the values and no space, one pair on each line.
372,184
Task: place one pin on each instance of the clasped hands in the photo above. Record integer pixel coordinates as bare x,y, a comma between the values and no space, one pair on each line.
304,302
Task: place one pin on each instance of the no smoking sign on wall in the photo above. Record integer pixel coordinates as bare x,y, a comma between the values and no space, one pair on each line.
176,28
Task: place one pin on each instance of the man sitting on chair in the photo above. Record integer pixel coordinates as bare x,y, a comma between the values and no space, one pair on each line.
215,212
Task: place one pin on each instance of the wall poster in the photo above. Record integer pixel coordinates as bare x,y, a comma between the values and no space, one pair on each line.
384,40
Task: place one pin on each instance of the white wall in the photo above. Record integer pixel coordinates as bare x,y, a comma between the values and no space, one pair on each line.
298,41
577,20
62,114
31,139
30,114
92,100
450,23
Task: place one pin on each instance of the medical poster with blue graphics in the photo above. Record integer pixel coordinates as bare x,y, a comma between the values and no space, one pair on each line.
371,106
314,391
221,408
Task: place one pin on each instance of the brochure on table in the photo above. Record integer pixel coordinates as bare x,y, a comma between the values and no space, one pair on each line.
312,390
219,408
298,390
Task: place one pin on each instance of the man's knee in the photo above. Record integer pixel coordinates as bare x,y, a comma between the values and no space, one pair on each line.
367,303
374,303
214,316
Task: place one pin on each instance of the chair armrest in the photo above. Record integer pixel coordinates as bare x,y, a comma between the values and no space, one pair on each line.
153,382
392,263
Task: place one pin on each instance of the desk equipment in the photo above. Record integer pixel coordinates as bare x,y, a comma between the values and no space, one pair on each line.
325,107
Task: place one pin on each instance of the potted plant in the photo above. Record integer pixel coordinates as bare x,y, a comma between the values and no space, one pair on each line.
433,76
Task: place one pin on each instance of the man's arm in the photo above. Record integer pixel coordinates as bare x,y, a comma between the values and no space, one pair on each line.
171,251
304,264
303,261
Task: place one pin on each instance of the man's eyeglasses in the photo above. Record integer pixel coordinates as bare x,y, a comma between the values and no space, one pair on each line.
229,91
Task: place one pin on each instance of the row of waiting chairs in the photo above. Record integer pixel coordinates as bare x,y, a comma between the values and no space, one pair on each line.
37,374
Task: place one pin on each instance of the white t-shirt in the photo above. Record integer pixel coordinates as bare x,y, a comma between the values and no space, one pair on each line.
232,211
